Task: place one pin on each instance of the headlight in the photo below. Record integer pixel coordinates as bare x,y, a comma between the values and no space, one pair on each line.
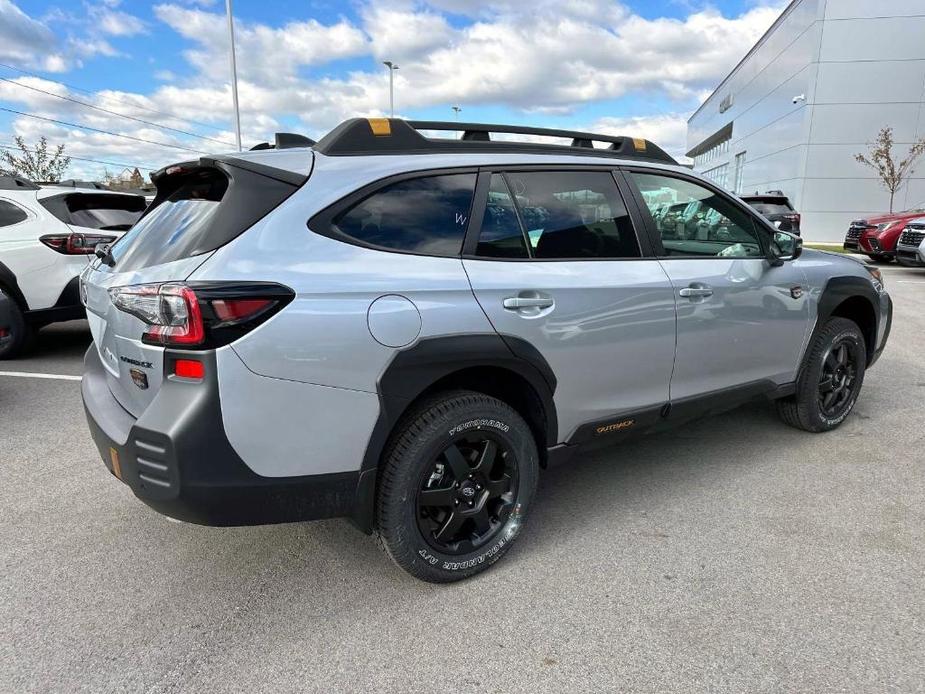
884,226
876,277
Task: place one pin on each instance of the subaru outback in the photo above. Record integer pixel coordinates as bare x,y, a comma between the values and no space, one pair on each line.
404,328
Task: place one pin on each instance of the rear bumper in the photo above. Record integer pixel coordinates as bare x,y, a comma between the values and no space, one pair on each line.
911,256
177,459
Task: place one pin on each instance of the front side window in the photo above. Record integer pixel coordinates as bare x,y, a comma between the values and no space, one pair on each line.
692,220
570,215
422,215
11,214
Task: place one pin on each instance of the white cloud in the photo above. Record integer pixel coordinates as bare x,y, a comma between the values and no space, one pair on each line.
668,131
266,54
547,58
26,41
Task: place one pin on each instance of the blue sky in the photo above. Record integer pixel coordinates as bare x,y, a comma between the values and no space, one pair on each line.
634,67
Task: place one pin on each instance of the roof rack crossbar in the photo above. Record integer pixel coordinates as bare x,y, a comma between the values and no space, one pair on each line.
367,136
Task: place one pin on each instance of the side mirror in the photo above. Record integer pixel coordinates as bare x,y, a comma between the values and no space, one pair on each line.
784,246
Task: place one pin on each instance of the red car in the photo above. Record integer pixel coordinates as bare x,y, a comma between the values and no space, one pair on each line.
877,236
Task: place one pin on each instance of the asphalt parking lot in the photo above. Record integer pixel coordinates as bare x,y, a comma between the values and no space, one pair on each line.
734,554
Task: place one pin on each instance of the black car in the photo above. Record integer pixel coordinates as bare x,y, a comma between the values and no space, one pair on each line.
776,208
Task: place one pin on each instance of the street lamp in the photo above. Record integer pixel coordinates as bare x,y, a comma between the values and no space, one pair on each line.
234,75
456,110
392,68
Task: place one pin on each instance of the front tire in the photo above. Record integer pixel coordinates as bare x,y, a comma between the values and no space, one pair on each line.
830,380
880,258
457,481
20,335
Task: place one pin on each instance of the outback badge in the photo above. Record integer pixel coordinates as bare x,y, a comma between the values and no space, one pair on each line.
139,378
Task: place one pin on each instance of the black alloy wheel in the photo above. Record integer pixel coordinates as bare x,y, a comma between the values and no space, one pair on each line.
468,493
839,374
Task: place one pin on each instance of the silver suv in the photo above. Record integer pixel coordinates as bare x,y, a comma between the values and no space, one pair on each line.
404,329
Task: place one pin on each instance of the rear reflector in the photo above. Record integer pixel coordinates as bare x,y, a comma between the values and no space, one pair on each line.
239,309
189,368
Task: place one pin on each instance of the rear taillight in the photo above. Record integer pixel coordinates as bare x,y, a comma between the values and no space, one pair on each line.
75,244
200,315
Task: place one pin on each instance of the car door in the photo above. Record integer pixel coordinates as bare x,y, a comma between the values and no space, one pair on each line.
555,260
742,321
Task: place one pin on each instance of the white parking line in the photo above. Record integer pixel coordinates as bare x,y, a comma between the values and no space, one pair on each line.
28,374
909,281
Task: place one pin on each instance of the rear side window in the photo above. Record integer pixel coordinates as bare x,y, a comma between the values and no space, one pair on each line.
501,235
422,215
167,232
10,214
96,210
572,215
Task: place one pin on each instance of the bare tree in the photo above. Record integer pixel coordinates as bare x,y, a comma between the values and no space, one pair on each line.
880,158
37,164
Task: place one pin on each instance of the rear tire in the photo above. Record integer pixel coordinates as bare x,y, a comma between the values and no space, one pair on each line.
21,335
457,482
830,380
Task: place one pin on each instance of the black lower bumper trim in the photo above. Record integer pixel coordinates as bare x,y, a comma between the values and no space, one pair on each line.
177,459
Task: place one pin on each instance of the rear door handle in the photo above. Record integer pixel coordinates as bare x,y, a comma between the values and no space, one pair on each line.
518,302
696,290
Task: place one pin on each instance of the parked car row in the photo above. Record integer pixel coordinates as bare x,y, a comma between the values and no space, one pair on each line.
48,232
878,237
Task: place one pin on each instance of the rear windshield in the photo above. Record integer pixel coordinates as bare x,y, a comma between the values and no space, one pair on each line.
171,230
766,207
96,210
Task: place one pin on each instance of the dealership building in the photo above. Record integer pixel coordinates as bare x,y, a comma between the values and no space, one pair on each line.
812,93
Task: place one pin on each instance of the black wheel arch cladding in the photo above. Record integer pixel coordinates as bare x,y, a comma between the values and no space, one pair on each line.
847,297
11,287
414,371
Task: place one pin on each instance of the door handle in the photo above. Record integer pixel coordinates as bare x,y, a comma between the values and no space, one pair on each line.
517,302
695,291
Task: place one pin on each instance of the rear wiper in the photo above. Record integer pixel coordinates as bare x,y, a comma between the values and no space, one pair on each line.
103,251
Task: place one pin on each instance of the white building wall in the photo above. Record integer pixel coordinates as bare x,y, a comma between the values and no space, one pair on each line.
861,66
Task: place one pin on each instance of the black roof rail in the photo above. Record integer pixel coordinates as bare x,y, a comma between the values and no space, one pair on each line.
364,136
285,141
14,182
74,183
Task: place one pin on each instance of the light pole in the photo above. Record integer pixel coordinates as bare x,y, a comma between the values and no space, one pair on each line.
456,110
234,75
392,68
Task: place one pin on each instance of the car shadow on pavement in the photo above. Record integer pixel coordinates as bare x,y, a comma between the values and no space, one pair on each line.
603,488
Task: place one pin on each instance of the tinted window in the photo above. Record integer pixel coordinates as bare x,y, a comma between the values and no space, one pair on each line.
696,220
420,215
573,214
96,210
11,214
169,230
501,235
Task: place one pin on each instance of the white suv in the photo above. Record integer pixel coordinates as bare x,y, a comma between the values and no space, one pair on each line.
47,234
